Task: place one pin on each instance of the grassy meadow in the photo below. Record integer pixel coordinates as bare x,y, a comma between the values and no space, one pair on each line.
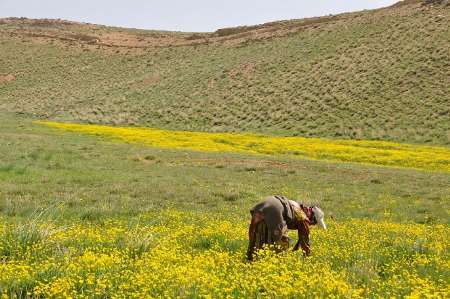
87,216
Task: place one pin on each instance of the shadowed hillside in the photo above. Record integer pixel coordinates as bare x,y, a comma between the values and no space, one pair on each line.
380,74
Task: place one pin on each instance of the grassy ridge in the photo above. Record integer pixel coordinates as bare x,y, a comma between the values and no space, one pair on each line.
380,74
372,152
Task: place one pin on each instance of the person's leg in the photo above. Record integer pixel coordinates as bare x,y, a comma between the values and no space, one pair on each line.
257,218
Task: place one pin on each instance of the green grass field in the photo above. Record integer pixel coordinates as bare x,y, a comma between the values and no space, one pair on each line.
42,167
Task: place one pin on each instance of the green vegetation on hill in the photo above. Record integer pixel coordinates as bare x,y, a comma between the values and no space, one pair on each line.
382,74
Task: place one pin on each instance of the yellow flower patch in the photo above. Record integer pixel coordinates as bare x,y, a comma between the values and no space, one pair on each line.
199,255
372,152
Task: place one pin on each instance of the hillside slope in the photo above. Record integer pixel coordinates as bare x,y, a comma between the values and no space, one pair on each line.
381,74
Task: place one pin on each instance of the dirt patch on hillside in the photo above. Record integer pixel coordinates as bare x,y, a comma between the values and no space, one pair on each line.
123,39
147,82
243,70
437,2
150,39
7,78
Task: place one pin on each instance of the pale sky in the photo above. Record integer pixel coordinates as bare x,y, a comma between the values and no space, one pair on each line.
181,15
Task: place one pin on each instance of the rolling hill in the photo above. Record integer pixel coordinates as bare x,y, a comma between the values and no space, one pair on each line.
381,74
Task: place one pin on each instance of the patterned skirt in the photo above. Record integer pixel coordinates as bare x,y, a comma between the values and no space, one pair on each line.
263,237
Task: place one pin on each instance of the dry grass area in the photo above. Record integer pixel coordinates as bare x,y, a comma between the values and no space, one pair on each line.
380,75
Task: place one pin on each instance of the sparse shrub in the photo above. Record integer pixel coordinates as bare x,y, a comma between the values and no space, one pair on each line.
149,158
17,241
229,196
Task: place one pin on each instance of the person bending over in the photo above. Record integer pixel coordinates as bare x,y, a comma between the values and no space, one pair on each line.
272,218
